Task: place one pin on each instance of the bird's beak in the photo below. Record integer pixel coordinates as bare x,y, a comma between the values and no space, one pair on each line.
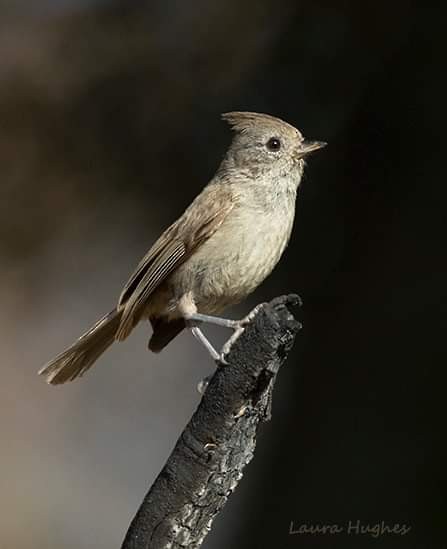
308,147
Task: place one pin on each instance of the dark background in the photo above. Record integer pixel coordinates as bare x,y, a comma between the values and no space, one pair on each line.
109,126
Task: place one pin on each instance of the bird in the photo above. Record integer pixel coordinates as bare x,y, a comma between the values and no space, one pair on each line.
218,251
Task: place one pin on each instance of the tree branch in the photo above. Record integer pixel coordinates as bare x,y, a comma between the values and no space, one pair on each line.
207,461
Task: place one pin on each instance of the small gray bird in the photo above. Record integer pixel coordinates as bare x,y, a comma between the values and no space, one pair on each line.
223,246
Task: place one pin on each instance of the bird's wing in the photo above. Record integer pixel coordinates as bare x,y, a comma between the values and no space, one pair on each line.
176,244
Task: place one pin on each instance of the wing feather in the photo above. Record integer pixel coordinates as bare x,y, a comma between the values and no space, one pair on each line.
176,244
143,266
158,271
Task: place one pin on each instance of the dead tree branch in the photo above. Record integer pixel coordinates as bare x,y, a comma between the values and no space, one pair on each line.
211,453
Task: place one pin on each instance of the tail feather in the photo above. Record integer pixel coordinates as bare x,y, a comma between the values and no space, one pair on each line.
80,356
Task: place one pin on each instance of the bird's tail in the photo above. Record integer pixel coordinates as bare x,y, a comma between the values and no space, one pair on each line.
80,356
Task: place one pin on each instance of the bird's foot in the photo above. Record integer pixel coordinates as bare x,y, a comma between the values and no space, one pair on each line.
203,384
247,319
239,327
195,319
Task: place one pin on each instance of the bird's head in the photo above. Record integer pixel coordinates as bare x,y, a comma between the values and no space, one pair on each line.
265,146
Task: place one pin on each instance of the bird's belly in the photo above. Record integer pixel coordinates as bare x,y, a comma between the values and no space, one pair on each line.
235,260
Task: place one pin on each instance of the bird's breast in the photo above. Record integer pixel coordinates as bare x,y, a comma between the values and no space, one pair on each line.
238,256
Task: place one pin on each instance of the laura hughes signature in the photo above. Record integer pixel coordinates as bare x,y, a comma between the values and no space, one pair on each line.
351,528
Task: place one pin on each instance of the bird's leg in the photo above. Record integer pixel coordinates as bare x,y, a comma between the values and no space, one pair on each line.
217,320
200,336
193,318
225,322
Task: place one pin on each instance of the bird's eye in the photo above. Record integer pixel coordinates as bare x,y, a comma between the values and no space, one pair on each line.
273,144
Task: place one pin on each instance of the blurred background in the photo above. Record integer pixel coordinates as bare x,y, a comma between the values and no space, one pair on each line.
109,126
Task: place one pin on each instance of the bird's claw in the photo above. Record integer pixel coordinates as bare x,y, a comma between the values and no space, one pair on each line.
203,384
221,360
247,319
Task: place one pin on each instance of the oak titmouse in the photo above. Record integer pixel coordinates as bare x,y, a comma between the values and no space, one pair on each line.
223,246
